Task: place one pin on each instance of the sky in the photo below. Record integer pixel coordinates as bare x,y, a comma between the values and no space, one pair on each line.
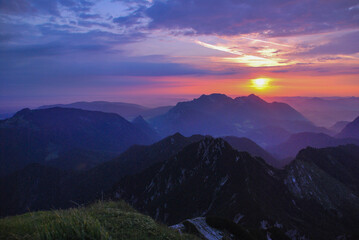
158,52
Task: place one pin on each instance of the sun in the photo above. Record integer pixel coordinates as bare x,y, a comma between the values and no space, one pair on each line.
260,83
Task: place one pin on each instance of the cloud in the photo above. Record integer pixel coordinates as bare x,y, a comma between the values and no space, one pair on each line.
271,18
345,44
89,16
50,7
134,18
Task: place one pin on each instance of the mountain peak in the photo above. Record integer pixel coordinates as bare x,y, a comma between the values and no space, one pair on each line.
22,112
214,97
351,130
255,98
252,98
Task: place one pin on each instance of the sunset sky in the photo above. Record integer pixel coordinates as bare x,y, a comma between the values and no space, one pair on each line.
161,51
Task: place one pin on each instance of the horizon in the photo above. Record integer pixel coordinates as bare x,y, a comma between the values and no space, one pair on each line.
160,102
155,51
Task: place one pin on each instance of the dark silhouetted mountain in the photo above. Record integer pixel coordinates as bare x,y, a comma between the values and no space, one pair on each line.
42,135
89,185
204,178
328,177
339,126
86,186
33,188
142,124
182,178
296,142
247,145
210,178
220,115
340,163
101,179
126,110
351,130
80,159
324,111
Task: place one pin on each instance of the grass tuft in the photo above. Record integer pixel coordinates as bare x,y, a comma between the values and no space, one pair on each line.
102,220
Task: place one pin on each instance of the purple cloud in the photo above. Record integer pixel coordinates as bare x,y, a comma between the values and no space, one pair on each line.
272,18
42,6
345,44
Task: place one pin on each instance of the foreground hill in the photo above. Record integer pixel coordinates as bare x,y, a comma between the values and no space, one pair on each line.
44,135
220,115
290,148
127,110
211,178
103,220
351,130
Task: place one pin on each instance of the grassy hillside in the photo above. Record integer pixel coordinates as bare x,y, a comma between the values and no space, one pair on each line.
103,220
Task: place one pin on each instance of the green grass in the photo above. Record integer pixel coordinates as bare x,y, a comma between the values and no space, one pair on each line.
102,220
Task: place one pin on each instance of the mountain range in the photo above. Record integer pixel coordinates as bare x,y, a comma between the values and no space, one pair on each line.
180,178
290,148
216,167
47,135
324,111
211,178
220,115
92,184
126,110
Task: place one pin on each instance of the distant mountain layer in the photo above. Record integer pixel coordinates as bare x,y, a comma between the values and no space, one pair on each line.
220,115
324,111
209,178
45,135
351,130
126,110
296,142
338,126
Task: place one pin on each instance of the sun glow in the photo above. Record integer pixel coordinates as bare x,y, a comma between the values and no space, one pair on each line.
260,83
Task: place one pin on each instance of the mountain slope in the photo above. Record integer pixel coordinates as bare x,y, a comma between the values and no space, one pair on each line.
177,185
296,142
247,145
324,111
339,126
351,130
38,187
145,127
328,177
340,163
42,135
126,110
220,115
211,178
